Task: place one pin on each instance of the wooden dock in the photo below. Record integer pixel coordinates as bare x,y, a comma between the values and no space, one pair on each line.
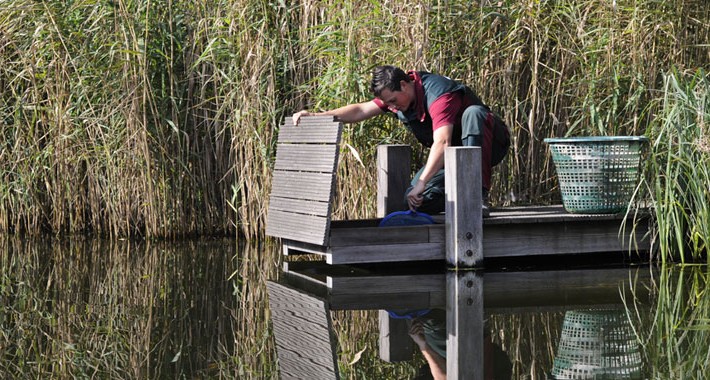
302,196
300,215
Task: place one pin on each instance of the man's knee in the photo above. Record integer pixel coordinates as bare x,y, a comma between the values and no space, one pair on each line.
473,122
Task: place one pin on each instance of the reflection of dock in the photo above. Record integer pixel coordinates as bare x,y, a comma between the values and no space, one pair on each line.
302,195
353,288
310,290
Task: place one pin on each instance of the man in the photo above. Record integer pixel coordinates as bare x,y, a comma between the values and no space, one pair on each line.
441,113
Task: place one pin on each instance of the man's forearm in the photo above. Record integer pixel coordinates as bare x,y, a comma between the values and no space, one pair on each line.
437,364
435,160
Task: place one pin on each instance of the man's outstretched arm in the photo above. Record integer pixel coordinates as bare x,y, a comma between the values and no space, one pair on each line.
352,113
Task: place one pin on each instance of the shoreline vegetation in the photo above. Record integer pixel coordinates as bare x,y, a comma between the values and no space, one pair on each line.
158,119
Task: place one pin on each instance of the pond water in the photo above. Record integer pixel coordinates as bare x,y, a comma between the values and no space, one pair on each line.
85,308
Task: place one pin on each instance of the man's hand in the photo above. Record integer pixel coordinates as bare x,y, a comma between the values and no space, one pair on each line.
297,116
416,332
414,198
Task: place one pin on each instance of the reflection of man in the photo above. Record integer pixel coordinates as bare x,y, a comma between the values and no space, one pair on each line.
429,333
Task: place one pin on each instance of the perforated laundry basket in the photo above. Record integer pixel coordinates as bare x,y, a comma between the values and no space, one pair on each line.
597,344
597,175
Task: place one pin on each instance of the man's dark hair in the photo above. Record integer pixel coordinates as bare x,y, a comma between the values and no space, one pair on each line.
387,77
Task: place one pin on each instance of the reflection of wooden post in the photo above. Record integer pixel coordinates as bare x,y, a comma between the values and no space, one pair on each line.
464,249
393,170
464,219
395,343
464,325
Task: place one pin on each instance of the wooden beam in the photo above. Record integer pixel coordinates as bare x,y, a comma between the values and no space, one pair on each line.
393,172
464,325
464,219
395,343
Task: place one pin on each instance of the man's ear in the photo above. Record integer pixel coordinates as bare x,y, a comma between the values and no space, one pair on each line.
402,84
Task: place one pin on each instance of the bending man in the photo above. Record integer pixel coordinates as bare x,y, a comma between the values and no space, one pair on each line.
440,112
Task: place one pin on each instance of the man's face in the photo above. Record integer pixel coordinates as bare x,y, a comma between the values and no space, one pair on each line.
399,100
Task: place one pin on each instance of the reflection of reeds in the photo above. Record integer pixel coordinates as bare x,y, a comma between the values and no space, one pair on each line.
158,118
90,309
529,339
675,333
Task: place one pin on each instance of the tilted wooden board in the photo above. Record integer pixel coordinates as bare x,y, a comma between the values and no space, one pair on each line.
304,180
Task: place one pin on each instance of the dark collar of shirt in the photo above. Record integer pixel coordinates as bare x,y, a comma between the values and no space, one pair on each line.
419,94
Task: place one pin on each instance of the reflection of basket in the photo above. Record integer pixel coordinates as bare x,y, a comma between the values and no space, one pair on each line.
597,344
597,175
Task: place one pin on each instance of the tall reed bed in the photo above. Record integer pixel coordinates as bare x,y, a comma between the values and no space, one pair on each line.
158,118
678,166
138,118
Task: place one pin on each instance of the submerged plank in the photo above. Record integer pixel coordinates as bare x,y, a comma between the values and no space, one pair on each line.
305,343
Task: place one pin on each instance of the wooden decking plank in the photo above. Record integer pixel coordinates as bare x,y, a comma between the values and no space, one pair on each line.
386,253
302,185
342,237
299,227
304,157
321,133
300,206
553,238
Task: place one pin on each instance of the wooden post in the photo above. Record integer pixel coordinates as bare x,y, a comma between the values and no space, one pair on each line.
464,325
393,171
464,218
395,343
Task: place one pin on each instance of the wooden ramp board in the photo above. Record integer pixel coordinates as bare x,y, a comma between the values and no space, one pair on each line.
304,180
305,343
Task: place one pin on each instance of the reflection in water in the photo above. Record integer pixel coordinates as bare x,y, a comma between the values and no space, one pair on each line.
427,328
91,309
123,310
524,312
597,344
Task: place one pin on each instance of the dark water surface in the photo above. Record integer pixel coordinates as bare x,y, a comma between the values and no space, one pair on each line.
200,309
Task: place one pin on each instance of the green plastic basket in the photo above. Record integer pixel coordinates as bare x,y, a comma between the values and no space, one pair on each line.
597,175
595,345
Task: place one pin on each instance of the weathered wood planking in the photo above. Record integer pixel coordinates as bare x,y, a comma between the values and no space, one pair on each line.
552,290
464,325
540,231
463,207
305,344
304,180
